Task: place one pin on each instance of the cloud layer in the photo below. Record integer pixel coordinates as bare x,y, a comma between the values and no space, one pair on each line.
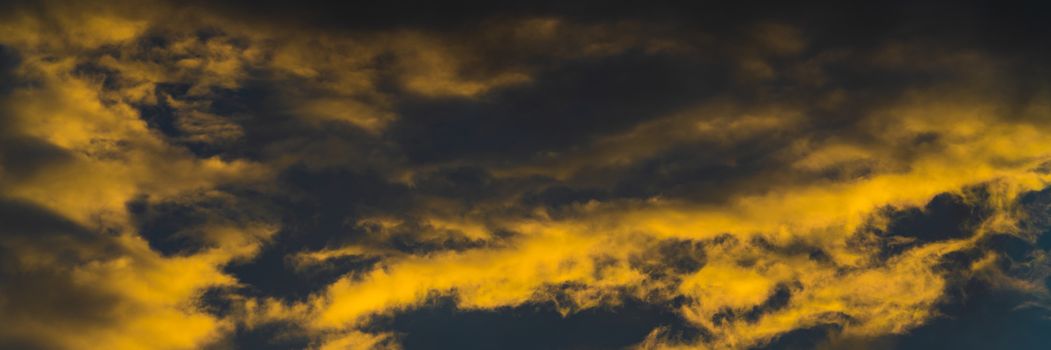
230,175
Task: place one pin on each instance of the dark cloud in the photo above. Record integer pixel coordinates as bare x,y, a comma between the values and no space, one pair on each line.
22,157
26,223
607,95
9,60
46,295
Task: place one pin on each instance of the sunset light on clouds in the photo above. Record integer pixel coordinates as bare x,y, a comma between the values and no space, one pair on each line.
557,175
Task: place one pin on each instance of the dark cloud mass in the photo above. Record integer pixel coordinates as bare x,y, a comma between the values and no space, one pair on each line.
525,175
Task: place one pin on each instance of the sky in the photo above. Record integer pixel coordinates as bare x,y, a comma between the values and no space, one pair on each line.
525,175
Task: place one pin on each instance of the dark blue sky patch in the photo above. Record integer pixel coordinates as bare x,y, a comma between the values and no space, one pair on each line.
976,315
268,336
946,216
168,227
439,325
801,339
275,273
161,116
986,318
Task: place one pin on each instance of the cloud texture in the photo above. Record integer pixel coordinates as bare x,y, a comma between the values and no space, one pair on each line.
223,175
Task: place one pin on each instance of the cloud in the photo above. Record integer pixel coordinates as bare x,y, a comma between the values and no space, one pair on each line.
325,177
